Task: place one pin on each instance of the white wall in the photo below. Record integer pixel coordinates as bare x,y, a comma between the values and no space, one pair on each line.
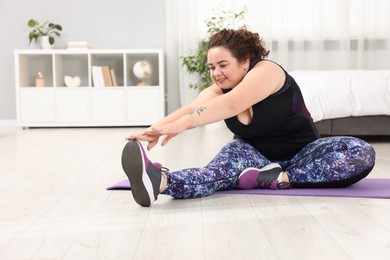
106,23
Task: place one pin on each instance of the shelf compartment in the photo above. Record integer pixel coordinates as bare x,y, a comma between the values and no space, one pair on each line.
73,65
113,60
30,65
133,58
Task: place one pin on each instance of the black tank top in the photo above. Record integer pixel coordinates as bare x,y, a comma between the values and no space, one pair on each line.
281,124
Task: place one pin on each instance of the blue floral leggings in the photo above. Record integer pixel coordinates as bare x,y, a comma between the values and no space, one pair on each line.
326,162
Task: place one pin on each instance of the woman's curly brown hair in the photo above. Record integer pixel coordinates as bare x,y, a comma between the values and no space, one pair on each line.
242,43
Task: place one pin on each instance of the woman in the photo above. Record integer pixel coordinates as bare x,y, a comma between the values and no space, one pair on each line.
276,143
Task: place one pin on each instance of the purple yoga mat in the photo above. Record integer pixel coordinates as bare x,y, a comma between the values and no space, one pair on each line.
366,188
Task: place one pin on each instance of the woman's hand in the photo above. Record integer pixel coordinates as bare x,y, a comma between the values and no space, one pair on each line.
153,133
147,135
170,130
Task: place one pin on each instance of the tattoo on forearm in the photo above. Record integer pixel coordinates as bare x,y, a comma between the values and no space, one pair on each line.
198,110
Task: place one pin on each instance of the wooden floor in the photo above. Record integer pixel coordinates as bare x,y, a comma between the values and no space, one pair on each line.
53,205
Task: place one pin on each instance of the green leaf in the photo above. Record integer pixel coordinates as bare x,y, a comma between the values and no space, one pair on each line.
32,23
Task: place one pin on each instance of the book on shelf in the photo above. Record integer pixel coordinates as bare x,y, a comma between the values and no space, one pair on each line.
103,76
113,77
95,76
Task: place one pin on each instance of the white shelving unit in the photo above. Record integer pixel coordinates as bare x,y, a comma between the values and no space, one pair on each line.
56,105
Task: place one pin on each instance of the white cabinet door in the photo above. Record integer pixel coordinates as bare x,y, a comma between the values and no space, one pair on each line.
72,105
107,105
37,105
143,105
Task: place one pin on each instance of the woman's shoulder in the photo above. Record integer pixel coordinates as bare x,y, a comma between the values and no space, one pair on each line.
271,70
270,64
270,67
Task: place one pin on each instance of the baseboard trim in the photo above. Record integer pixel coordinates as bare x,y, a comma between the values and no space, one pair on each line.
8,122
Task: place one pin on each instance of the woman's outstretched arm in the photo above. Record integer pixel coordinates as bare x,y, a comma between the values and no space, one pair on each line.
152,136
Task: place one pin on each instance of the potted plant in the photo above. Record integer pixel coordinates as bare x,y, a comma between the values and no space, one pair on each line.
196,60
44,32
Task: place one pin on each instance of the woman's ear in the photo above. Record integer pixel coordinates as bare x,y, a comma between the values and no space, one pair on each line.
245,64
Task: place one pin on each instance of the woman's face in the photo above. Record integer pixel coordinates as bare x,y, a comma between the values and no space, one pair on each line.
225,70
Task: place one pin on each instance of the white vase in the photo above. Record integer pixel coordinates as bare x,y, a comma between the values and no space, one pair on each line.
44,42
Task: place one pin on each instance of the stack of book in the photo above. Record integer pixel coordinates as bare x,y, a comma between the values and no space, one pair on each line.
79,45
103,76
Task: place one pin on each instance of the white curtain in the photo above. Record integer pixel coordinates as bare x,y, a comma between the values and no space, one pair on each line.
301,34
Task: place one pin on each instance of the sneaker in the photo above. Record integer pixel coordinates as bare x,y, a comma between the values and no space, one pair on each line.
144,176
264,178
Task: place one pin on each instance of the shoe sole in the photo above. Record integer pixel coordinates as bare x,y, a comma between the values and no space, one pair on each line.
265,168
134,168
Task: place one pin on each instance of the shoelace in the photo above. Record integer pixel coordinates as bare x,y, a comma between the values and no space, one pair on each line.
164,169
160,167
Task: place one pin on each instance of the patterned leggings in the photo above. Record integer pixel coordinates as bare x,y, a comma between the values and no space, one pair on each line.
326,162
